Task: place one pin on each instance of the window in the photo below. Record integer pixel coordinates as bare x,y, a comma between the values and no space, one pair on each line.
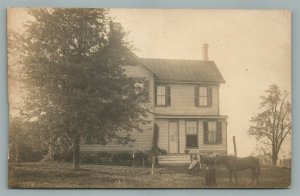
203,96
191,134
142,87
212,132
139,85
163,95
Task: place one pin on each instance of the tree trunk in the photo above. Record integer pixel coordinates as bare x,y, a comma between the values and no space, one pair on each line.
76,149
50,153
274,158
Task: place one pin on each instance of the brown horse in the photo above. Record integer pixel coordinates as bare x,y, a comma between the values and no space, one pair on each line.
235,164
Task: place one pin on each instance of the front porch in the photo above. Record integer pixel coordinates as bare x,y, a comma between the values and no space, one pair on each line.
181,136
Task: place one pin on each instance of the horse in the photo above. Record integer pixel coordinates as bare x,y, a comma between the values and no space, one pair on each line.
234,164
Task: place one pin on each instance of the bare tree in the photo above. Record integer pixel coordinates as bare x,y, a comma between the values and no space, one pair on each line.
273,123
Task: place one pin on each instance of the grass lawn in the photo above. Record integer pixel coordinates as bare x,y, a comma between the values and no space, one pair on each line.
61,175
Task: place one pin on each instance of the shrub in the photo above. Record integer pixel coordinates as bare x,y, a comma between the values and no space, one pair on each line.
26,154
117,158
63,155
162,151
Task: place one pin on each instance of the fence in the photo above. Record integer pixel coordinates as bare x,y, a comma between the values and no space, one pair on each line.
284,163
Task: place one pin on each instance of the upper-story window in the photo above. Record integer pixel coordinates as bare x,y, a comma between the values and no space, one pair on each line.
139,86
142,88
163,95
203,96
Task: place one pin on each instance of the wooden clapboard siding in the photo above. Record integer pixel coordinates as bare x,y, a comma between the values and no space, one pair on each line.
183,101
163,137
143,140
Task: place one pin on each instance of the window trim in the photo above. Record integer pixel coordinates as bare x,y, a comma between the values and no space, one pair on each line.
202,96
214,123
160,96
166,96
197,136
218,140
209,96
144,81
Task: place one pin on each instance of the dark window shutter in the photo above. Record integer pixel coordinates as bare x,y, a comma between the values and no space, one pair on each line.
146,90
219,132
168,95
197,96
209,96
205,131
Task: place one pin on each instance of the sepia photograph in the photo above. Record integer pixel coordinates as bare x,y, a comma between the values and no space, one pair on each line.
149,98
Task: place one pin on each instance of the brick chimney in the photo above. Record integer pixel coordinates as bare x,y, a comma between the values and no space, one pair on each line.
205,52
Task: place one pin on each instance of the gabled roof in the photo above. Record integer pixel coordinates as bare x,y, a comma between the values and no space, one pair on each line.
184,70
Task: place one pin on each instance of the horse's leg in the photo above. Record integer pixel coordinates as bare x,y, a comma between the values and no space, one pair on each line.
235,176
257,176
253,175
230,177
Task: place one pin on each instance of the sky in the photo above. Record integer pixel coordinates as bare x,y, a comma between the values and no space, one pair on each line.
252,49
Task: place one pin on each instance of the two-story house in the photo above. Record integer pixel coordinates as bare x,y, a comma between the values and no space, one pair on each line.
184,100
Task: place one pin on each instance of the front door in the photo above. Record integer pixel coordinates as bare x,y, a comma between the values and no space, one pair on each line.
173,137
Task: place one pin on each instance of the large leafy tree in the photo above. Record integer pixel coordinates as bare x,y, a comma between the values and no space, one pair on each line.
272,125
76,88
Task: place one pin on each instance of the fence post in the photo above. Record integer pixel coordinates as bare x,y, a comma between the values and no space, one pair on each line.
153,163
133,160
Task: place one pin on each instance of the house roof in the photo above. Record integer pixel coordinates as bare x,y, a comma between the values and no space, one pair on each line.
184,70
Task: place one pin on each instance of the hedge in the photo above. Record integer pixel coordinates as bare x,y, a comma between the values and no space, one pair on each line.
116,158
